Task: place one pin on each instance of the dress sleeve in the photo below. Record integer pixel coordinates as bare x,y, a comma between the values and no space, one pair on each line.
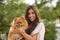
40,29
41,33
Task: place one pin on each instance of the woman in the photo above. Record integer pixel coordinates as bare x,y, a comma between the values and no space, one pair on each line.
36,29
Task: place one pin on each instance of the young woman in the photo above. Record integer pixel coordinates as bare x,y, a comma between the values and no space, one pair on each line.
36,28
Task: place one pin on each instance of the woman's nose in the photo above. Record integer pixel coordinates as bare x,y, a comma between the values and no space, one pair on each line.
31,15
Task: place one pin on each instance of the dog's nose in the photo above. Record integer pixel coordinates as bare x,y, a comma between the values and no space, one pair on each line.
19,24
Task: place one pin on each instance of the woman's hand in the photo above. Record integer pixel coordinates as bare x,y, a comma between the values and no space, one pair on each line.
27,36
21,30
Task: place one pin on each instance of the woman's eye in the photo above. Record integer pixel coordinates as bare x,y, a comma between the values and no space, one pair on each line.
28,13
32,12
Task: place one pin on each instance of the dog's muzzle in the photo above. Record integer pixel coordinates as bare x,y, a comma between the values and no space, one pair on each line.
19,24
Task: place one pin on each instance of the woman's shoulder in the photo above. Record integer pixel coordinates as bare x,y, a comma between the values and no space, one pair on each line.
41,23
38,28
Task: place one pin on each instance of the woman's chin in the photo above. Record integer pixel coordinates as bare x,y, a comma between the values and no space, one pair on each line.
32,20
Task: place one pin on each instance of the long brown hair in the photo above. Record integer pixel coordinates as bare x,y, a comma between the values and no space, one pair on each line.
31,25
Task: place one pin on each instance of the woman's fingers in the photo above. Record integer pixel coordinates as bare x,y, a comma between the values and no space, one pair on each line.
21,30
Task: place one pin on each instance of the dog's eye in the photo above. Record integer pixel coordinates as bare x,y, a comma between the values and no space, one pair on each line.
19,23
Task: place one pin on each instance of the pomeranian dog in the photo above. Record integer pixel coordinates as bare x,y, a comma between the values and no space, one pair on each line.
17,23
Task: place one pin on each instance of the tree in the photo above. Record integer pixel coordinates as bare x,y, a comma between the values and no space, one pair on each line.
48,14
58,10
10,11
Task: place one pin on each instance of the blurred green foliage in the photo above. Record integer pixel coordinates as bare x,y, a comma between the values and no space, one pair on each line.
14,9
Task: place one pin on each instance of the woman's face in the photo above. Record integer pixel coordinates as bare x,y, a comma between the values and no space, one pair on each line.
31,15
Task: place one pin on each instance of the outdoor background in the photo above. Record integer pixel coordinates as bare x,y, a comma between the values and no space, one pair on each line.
49,12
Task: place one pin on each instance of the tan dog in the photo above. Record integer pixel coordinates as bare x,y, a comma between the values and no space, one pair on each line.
14,33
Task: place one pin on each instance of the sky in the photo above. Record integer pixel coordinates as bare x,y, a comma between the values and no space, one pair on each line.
53,3
30,2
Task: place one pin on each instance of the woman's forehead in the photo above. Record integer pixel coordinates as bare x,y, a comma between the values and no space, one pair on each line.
31,10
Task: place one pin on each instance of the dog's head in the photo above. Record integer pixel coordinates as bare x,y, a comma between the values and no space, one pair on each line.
20,22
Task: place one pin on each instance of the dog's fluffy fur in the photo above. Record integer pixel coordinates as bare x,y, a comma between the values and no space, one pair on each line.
17,23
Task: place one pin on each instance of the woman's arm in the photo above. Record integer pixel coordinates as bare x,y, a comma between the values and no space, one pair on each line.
29,37
39,29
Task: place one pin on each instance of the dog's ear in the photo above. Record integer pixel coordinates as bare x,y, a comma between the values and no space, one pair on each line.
15,19
13,22
23,18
